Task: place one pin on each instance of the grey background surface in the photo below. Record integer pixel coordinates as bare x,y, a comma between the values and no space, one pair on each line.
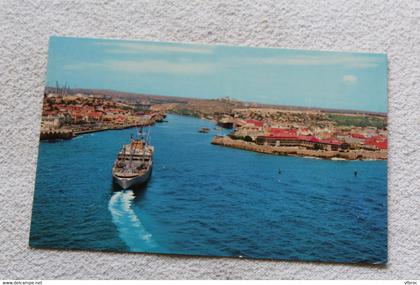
392,27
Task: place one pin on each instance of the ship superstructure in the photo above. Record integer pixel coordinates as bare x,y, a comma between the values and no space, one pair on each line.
133,165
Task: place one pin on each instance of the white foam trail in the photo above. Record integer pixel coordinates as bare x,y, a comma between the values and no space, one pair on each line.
130,228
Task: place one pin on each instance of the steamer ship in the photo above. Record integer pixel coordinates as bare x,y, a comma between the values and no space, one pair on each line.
133,165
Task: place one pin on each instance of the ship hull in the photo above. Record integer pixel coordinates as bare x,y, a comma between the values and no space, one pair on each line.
224,125
126,183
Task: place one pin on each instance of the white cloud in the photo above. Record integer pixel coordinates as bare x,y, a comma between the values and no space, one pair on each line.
82,66
133,48
350,61
147,66
349,79
160,66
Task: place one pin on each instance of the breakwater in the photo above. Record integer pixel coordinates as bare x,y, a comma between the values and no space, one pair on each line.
296,151
109,128
76,130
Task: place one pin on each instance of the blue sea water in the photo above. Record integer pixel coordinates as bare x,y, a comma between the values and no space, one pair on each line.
204,199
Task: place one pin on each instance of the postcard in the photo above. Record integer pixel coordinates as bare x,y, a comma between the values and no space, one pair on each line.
213,150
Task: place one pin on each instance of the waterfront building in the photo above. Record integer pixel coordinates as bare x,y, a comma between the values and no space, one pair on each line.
52,122
376,143
309,142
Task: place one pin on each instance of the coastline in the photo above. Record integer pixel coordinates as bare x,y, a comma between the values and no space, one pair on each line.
295,151
106,129
66,134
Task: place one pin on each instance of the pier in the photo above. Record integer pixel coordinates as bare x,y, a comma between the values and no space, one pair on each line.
65,134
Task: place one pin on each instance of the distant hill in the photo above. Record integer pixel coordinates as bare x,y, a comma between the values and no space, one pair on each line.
129,96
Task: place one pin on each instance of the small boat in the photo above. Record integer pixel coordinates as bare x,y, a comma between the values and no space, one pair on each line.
133,165
204,130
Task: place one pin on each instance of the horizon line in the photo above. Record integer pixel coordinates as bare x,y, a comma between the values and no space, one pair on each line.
249,102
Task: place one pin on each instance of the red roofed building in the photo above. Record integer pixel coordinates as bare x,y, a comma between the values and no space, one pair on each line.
311,142
282,132
255,123
119,119
115,111
95,115
358,136
49,113
74,108
304,132
89,108
77,116
376,142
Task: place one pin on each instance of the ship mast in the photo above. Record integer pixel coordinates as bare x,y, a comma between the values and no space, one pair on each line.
131,153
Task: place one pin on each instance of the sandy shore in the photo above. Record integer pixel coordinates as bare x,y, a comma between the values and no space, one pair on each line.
296,151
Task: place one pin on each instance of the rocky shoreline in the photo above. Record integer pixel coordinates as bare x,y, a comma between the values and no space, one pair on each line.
296,151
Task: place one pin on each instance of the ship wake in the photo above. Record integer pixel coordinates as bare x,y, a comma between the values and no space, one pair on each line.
129,225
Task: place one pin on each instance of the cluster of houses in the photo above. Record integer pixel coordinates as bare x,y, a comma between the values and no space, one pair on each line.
81,110
333,138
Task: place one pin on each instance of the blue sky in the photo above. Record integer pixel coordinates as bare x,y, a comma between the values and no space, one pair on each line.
338,80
